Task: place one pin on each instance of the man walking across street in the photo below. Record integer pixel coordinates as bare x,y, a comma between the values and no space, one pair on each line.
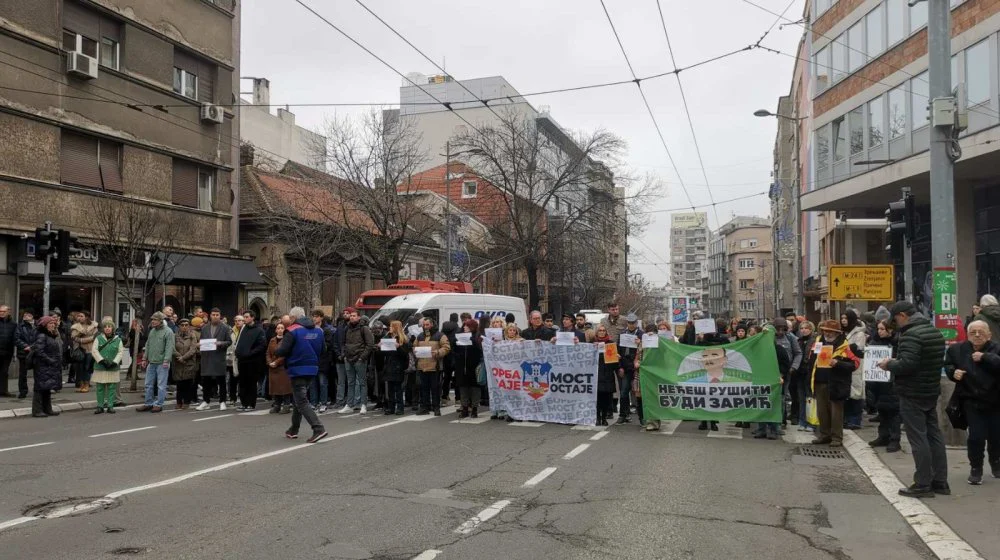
916,373
302,347
8,345
358,344
250,350
159,352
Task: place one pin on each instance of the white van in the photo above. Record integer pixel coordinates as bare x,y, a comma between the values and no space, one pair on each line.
440,306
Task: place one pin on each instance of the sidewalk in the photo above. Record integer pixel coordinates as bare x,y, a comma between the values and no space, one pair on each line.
66,400
970,511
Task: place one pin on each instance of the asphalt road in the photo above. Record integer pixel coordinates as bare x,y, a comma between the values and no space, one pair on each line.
225,485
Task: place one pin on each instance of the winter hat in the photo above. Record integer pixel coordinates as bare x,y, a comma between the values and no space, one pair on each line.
882,314
988,300
631,318
780,323
197,322
831,325
158,316
904,307
106,323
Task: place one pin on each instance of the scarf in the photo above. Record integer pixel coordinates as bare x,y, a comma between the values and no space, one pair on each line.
108,349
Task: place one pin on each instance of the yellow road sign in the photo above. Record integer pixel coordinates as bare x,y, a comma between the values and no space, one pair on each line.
870,282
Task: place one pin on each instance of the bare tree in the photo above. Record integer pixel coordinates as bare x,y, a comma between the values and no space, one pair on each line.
139,242
547,171
375,156
312,244
637,296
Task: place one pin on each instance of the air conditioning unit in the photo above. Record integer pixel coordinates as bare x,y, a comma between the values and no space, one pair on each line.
81,65
212,113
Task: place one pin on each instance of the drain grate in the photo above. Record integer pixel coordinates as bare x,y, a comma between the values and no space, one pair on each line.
821,453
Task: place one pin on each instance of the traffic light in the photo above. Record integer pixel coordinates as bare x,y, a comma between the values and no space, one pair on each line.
900,220
62,264
45,243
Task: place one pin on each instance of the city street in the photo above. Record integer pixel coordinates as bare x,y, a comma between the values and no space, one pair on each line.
184,484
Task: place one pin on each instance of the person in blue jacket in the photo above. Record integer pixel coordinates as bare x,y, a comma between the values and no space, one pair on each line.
302,348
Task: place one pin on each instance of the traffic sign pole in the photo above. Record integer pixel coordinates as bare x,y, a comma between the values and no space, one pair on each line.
46,283
907,259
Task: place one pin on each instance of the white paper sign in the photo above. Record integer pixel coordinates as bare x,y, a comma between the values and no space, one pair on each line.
415,330
704,326
208,345
627,341
388,344
874,355
600,347
494,334
565,338
463,339
422,352
650,340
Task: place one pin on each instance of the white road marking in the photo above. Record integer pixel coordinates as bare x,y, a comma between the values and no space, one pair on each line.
26,446
479,420
598,436
668,427
526,424
587,428
577,450
727,432
428,555
123,431
15,522
481,517
213,417
540,476
935,533
256,412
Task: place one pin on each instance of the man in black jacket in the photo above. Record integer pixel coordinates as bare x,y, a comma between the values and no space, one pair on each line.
974,366
536,330
250,351
449,328
8,346
916,374
24,338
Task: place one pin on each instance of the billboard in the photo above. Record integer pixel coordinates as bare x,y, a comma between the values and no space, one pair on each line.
687,220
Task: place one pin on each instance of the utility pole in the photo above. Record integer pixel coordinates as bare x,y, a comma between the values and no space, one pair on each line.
942,187
447,206
46,286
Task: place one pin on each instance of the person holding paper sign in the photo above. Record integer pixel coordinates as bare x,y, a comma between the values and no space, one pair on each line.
831,379
974,366
429,366
396,362
626,368
884,396
569,326
605,378
213,363
466,358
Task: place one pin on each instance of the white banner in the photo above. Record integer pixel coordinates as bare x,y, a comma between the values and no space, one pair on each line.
541,381
874,355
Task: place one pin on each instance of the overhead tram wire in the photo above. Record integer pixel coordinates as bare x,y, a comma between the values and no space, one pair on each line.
656,125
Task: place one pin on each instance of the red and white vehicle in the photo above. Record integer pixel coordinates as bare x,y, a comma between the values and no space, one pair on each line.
372,300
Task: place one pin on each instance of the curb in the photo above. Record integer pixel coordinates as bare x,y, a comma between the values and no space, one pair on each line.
63,407
936,534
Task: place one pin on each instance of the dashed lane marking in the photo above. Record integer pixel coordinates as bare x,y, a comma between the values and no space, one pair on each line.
533,481
481,517
123,431
576,451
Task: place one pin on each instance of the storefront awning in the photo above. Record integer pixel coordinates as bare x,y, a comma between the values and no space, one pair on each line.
208,269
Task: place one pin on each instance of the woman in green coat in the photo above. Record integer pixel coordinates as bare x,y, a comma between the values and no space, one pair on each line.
107,352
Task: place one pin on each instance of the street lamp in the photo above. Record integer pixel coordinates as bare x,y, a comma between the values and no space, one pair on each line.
447,190
797,265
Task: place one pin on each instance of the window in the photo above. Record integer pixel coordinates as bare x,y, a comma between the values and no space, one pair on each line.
74,42
856,121
193,76
977,73
839,139
753,243
747,305
897,113
470,189
823,148
896,20
821,68
206,189
746,264
876,35
856,46
744,243
746,284
185,83
87,161
875,126
918,100
839,58
823,5
918,16
93,34
109,52
193,185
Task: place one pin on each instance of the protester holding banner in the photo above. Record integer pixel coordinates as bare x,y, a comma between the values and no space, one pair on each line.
605,377
772,430
466,357
974,366
510,334
715,339
652,425
886,402
832,382
536,330
568,325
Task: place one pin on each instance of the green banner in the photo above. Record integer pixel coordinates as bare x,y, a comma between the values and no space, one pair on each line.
736,382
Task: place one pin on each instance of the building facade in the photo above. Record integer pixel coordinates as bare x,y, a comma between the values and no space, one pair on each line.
868,136
109,103
784,186
741,269
689,235
275,137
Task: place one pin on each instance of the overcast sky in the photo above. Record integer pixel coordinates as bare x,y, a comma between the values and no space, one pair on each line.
549,44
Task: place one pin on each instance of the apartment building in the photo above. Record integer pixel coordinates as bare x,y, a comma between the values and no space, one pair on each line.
741,269
104,102
689,235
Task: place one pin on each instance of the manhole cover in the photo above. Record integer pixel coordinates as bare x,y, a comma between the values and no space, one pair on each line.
70,507
821,453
